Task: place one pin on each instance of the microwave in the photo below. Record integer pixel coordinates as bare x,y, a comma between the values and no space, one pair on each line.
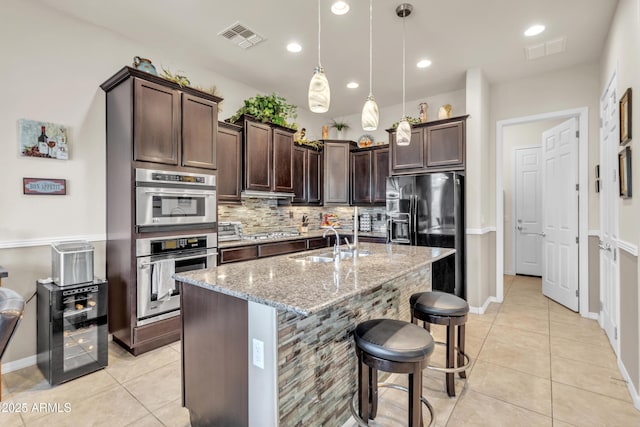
174,200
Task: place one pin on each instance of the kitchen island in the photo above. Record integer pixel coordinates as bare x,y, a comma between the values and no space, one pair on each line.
268,342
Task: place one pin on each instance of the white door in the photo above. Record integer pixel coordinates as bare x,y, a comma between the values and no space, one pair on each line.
609,213
528,211
560,214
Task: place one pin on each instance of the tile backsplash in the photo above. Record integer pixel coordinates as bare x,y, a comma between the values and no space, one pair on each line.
264,215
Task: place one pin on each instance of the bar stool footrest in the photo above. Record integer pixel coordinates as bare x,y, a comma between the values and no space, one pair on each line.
452,370
362,423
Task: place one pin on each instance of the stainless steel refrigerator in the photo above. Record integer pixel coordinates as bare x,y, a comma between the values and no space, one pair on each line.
428,210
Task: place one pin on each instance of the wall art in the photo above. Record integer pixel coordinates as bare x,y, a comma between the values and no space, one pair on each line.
625,117
624,162
43,139
44,186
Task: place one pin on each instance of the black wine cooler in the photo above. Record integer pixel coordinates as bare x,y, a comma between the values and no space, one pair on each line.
72,329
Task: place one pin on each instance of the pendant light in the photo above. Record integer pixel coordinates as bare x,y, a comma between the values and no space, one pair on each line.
370,114
319,93
403,132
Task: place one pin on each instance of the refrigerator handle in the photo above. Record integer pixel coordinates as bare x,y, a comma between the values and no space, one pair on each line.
413,218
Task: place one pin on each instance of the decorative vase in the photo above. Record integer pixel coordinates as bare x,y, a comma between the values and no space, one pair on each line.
340,134
423,107
144,64
325,132
445,111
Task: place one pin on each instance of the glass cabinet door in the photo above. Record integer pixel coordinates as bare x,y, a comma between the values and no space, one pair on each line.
80,321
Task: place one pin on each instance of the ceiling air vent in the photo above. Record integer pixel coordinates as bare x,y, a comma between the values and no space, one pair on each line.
551,47
241,35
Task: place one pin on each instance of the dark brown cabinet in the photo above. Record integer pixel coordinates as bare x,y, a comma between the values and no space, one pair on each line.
435,146
173,127
336,171
199,132
369,171
263,250
230,165
157,123
307,176
151,123
268,151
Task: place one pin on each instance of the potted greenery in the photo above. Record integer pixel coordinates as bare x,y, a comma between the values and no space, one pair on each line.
268,108
340,127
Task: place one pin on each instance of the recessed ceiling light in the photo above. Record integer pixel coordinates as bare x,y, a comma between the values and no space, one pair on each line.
340,7
424,63
352,85
534,30
294,47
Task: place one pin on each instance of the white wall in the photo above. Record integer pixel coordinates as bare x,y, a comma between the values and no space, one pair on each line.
390,115
480,276
559,90
52,67
621,55
524,135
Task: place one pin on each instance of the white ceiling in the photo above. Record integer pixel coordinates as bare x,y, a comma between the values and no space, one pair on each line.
455,34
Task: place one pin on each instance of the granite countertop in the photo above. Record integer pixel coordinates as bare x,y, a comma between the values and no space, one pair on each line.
3,273
288,283
308,235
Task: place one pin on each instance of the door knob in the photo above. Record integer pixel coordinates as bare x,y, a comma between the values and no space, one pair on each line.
519,227
543,234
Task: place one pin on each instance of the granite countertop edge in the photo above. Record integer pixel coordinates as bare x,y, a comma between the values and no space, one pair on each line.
312,309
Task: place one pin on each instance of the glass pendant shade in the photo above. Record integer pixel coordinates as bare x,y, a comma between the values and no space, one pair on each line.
370,115
403,133
319,92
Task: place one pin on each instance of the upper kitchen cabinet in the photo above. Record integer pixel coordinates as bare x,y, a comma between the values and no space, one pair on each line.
435,147
199,132
307,176
369,171
268,156
171,125
229,142
336,171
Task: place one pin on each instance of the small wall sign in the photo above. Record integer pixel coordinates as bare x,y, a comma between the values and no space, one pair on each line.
44,186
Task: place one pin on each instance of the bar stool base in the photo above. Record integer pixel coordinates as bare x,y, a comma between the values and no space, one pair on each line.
457,368
362,423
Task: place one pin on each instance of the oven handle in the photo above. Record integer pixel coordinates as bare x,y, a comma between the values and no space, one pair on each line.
182,193
185,258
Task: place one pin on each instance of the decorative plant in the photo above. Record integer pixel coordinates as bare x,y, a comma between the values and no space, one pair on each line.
411,120
314,144
269,108
176,78
338,125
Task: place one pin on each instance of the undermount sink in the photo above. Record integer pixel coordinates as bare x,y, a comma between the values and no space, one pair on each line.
328,256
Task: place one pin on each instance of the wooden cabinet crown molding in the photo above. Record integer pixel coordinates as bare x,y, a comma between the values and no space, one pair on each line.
433,123
127,72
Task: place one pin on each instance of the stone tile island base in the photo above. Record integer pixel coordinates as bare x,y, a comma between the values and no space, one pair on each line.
309,362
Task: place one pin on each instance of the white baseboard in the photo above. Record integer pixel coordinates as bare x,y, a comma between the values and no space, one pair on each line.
509,273
591,315
483,309
19,364
632,388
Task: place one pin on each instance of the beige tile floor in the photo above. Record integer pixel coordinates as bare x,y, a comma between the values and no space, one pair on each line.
535,363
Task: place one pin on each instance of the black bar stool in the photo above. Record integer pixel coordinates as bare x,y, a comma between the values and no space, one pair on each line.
441,308
391,346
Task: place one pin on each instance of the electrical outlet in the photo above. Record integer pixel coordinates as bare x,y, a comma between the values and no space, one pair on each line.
379,217
290,214
258,353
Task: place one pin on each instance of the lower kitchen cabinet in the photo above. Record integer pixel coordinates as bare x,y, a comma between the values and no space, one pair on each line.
264,250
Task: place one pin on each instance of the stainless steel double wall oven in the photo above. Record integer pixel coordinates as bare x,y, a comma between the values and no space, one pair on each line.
168,203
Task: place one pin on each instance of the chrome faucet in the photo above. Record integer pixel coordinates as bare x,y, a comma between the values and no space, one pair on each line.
356,226
336,250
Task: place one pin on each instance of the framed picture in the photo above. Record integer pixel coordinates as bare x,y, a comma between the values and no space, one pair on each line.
43,139
44,186
624,163
625,117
